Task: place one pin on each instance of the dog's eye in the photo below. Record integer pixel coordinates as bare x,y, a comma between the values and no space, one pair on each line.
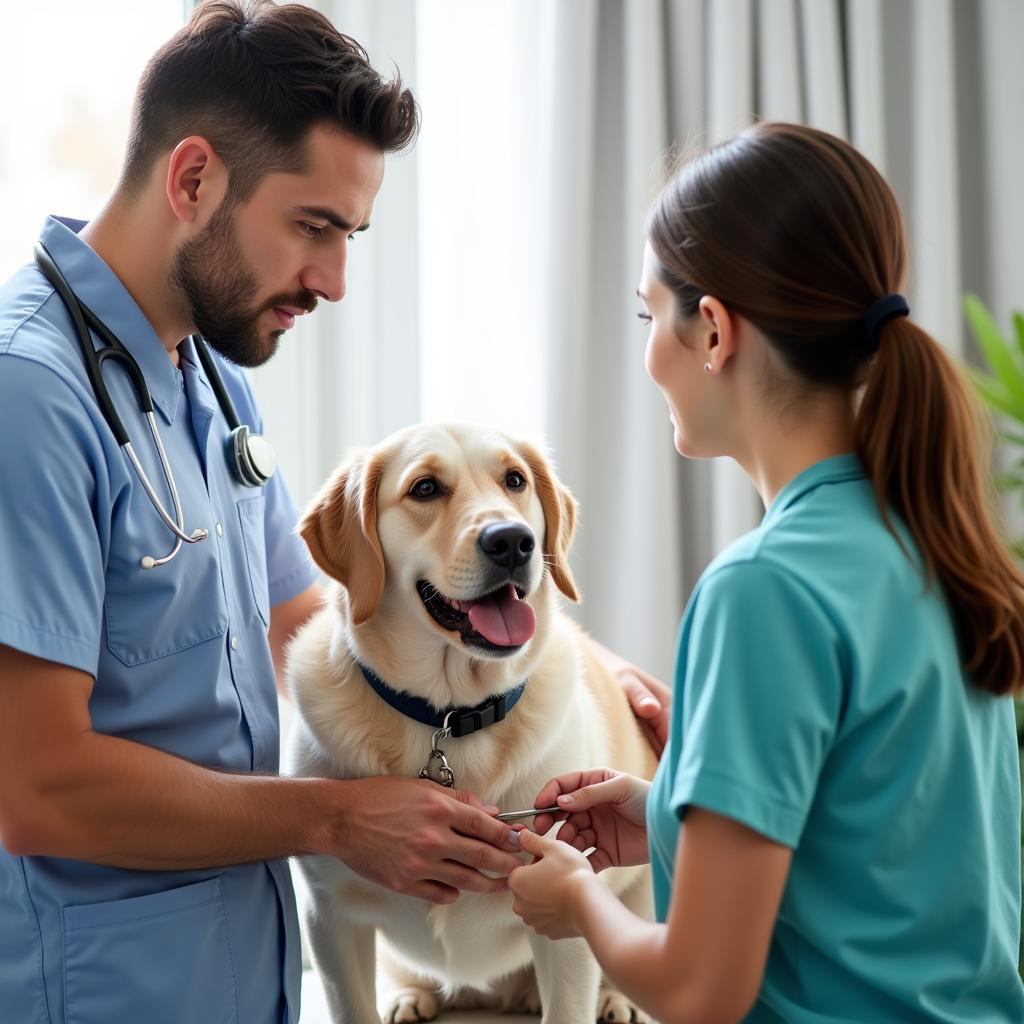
514,480
425,489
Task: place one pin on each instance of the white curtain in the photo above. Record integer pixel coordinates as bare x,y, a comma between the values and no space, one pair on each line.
350,374
497,282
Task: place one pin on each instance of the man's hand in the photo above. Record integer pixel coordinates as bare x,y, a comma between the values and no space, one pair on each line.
420,839
69,791
649,698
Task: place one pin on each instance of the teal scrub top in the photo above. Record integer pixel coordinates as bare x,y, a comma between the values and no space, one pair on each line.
820,700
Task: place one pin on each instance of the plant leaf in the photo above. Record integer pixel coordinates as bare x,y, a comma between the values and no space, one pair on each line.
1018,327
995,395
1009,481
994,347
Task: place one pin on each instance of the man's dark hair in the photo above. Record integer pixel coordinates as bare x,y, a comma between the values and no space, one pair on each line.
253,78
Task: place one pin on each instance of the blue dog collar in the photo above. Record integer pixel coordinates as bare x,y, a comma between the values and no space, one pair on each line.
461,721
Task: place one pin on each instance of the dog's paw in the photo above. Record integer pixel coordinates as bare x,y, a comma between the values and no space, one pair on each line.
411,1006
517,992
525,1002
528,1005
615,1008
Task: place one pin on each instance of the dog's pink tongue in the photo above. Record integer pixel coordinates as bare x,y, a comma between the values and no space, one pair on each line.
503,618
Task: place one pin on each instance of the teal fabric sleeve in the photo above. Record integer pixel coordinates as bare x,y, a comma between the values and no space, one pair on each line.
763,694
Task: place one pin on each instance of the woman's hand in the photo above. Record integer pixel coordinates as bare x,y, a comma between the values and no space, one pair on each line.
545,892
607,810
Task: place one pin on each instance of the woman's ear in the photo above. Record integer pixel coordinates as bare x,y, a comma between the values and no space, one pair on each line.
560,511
340,530
717,336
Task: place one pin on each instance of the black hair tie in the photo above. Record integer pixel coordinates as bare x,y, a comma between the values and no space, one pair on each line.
879,313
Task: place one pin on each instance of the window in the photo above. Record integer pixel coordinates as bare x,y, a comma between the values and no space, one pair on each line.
68,78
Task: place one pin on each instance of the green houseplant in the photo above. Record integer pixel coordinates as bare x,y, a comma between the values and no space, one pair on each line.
1001,385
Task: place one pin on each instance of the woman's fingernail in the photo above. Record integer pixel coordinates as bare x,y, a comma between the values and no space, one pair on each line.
566,798
513,838
490,809
648,703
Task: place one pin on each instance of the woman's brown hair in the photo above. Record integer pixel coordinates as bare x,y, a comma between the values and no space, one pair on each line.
797,232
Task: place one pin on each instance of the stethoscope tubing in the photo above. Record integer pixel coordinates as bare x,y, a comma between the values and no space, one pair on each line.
92,356
83,318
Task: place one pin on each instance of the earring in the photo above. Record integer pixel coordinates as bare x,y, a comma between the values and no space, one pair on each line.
707,367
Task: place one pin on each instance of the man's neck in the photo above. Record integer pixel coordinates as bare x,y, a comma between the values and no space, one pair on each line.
127,238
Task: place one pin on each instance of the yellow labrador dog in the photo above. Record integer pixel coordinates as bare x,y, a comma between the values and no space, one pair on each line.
449,544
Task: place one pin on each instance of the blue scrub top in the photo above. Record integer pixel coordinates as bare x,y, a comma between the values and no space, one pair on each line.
819,700
179,654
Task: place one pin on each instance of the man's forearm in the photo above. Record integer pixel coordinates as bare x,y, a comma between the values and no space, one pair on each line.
132,806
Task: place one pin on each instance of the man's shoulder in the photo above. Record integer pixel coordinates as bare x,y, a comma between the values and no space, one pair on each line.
35,327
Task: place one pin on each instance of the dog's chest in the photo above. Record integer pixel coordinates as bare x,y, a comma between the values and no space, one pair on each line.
470,942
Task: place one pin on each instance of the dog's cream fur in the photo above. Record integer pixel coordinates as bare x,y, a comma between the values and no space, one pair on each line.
378,542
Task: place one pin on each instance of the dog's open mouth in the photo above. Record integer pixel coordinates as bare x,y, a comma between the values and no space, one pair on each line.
500,621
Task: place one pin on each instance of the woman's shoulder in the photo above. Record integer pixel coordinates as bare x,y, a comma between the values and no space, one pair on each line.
832,557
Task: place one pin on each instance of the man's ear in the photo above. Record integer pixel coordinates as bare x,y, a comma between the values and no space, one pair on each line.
560,510
340,530
197,181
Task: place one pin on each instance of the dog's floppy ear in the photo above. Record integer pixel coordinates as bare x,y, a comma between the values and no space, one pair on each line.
340,530
559,519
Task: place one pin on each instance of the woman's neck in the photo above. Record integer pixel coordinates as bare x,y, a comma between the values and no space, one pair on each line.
781,446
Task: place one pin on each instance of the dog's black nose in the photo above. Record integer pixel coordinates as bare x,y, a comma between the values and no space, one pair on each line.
507,544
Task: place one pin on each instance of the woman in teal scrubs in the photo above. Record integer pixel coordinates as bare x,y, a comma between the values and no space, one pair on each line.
834,829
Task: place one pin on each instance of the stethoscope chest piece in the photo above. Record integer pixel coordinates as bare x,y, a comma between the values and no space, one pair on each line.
254,458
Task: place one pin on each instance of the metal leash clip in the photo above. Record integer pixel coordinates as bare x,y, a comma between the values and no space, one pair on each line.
437,768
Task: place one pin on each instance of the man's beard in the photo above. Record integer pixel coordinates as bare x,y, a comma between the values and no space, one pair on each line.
218,284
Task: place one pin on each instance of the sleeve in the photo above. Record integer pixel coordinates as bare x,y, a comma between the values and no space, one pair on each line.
54,491
762,692
290,570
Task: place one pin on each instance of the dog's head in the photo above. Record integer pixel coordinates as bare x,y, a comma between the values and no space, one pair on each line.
459,526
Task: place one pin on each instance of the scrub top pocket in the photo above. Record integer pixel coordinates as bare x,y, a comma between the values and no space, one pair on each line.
151,613
158,959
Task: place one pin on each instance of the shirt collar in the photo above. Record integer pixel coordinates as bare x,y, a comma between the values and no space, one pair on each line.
191,366
837,469
102,291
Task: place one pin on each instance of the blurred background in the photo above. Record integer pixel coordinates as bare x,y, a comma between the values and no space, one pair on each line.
497,283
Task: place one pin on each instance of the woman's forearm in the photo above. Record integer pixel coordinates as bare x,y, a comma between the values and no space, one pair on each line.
634,954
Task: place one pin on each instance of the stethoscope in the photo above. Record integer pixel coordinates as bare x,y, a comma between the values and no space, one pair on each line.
251,457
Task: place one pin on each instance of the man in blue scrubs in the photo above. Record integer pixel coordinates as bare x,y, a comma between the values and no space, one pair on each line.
138,723
143,827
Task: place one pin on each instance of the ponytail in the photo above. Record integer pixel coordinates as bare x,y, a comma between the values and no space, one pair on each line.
920,435
796,231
